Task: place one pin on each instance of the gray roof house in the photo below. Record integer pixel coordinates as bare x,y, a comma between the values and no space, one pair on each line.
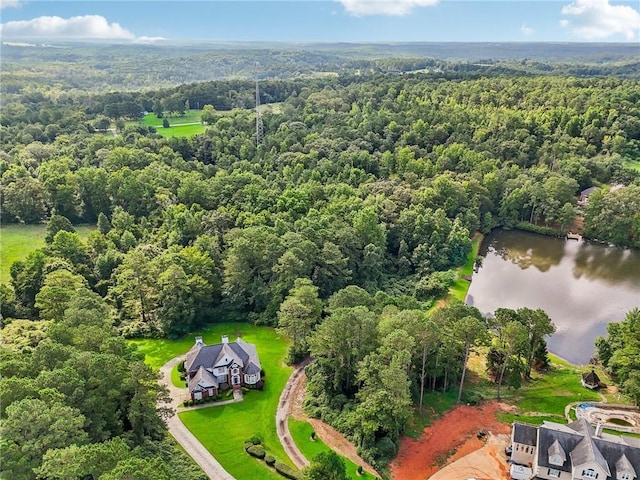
211,368
574,451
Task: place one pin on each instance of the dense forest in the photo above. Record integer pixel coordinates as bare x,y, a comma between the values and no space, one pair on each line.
341,229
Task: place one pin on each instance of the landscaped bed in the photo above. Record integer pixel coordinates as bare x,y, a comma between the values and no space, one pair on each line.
223,430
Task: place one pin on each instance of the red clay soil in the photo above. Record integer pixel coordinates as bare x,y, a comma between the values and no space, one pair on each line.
446,440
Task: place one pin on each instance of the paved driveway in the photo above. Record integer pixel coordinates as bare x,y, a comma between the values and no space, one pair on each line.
183,436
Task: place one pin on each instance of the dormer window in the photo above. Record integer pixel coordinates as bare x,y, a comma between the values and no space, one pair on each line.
556,454
591,473
624,476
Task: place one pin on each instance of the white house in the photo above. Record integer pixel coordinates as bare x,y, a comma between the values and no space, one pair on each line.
576,451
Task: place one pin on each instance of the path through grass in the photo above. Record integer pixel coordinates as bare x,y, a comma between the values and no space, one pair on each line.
223,430
17,241
301,433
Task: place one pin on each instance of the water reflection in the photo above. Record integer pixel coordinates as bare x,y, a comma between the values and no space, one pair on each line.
614,265
524,250
581,286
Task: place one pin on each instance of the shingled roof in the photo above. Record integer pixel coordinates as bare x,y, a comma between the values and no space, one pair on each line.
223,354
583,444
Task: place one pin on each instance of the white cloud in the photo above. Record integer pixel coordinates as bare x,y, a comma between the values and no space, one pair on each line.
527,30
148,40
384,7
595,19
83,27
9,4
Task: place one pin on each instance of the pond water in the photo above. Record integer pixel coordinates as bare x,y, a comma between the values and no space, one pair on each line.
582,286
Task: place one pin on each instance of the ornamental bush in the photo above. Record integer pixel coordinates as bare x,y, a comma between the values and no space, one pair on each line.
256,451
286,471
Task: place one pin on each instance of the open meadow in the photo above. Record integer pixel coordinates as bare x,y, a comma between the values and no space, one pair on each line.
224,429
17,241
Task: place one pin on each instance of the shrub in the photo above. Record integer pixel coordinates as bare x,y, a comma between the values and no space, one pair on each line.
181,367
255,439
187,403
269,459
360,470
256,451
286,471
529,227
259,385
313,436
247,445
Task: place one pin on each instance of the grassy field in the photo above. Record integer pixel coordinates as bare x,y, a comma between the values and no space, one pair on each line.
177,128
301,433
192,116
461,286
18,241
223,430
181,130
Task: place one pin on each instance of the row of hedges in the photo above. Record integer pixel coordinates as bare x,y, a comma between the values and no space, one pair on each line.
548,231
253,446
189,403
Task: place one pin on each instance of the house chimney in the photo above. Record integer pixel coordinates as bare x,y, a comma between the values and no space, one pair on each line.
199,341
225,338
599,428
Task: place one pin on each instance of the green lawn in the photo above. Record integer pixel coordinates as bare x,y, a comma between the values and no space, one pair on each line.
461,286
17,241
547,394
181,130
176,128
301,433
192,116
223,430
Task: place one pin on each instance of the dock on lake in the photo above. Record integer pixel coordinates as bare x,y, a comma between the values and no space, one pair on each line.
574,236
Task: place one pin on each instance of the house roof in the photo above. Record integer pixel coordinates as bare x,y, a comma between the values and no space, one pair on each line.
623,464
524,434
589,191
591,378
556,449
586,451
612,453
202,380
223,354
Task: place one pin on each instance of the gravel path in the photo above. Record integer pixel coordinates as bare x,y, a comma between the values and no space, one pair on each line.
329,435
282,414
183,436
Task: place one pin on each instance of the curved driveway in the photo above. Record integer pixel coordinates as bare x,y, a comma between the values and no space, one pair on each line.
282,414
183,436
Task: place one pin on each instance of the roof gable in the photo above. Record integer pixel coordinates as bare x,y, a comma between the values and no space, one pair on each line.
587,452
624,465
525,434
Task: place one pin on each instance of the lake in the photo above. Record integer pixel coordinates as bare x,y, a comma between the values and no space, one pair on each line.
582,286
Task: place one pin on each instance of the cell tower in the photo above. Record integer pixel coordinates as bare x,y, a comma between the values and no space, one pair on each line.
259,125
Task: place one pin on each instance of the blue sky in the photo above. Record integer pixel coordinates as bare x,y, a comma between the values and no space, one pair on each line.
324,21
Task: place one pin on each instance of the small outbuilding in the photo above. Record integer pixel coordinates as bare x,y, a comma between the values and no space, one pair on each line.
591,380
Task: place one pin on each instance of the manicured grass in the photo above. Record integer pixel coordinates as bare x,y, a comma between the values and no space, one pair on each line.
17,241
301,433
175,378
181,130
461,286
192,116
223,430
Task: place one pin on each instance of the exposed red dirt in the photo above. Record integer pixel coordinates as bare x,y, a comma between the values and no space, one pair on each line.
446,440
